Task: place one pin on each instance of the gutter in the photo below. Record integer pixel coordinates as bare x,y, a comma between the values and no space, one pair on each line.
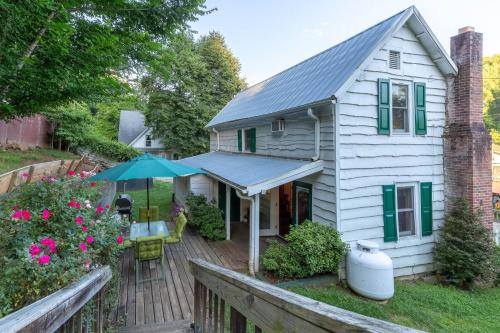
316,133
218,138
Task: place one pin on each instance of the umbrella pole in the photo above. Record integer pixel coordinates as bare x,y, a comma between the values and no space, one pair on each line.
147,189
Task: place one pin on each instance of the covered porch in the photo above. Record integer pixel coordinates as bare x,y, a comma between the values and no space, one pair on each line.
262,194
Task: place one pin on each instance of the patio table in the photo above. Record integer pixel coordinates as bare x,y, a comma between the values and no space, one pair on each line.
141,229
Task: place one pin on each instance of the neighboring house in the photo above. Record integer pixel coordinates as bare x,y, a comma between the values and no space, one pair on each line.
352,137
133,132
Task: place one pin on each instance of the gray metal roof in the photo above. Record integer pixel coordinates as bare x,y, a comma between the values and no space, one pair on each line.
131,125
320,77
243,170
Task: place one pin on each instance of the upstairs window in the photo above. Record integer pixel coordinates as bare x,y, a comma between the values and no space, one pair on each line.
248,139
148,140
400,121
394,60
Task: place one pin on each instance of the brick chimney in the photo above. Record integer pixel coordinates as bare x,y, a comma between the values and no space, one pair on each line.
467,143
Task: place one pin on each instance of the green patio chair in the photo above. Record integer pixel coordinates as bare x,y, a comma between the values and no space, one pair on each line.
154,214
176,234
149,248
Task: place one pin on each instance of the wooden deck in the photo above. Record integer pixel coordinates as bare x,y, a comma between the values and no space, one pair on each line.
153,303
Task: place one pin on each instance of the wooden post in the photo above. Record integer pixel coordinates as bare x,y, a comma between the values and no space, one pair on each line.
30,174
70,165
222,315
12,181
238,322
79,163
99,312
210,313
197,295
216,313
61,167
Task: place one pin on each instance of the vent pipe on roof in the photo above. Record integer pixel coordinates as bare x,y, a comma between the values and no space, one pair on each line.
316,133
218,139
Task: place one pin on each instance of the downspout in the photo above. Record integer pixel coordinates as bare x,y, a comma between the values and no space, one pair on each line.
251,258
218,141
316,133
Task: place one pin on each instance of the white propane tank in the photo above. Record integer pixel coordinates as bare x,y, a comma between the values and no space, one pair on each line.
370,272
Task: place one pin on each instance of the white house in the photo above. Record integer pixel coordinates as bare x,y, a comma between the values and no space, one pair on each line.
351,137
133,132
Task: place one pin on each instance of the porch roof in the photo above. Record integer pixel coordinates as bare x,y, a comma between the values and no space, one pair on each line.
250,173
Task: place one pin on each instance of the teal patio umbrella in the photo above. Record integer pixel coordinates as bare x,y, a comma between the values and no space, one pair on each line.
146,166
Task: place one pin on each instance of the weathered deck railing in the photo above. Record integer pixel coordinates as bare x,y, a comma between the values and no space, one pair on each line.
62,310
269,308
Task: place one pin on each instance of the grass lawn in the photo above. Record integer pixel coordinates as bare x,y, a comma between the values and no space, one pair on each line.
160,195
422,305
14,159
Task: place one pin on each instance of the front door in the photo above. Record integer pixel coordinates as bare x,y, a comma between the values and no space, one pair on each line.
268,213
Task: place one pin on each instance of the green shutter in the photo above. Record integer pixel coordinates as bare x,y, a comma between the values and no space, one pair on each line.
384,107
390,230
426,208
420,116
240,141
253,140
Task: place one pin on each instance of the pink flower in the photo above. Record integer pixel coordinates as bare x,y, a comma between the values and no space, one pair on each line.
17,214
44,260
25,174
84,228
71,172
108,206
26,215
93,184
34,250
99,210
72,203
89,239
45,214
83,247
79,220
50,243
77,205
119,239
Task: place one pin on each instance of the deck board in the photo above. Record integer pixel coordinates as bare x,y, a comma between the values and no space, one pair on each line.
171,299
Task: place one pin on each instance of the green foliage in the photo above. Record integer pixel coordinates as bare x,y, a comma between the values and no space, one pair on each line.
188,84
491,94
53,52
421,305
497,265
107,117
23,280
464,255
205,218
311,248
109,148
11,159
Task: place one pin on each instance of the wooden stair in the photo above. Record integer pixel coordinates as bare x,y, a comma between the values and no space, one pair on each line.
176,326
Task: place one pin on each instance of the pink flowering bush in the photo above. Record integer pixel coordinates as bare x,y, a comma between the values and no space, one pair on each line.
49,238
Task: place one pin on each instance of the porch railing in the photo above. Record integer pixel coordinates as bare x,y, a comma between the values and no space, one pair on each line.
62,310
267,308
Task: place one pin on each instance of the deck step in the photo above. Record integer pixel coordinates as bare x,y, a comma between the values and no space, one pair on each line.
177,326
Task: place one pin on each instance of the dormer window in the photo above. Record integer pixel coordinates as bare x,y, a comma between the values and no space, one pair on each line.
148,140
394,60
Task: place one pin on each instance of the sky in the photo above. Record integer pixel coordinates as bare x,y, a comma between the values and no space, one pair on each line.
270,36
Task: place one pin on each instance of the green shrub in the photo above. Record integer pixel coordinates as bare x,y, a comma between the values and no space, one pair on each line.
312,248
464,255
497,265
205,218
48,217
111,149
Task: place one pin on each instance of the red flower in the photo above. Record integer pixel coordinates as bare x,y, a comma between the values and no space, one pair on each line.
89,239
108,206
93,184
44,260
119,239
79,220
77,205
84,228
71,172
50,243
17,214
83,247
45,214
99,210
26,215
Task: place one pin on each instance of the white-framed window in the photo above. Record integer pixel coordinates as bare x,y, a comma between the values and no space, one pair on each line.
247,137
148,140
406,203
400,107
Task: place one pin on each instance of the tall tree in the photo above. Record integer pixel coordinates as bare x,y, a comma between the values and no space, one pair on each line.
55,51
190,83
491,92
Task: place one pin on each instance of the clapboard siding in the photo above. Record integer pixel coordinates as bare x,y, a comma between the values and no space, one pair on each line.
368,160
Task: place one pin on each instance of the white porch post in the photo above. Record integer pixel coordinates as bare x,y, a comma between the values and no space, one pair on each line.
228,212
256,230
